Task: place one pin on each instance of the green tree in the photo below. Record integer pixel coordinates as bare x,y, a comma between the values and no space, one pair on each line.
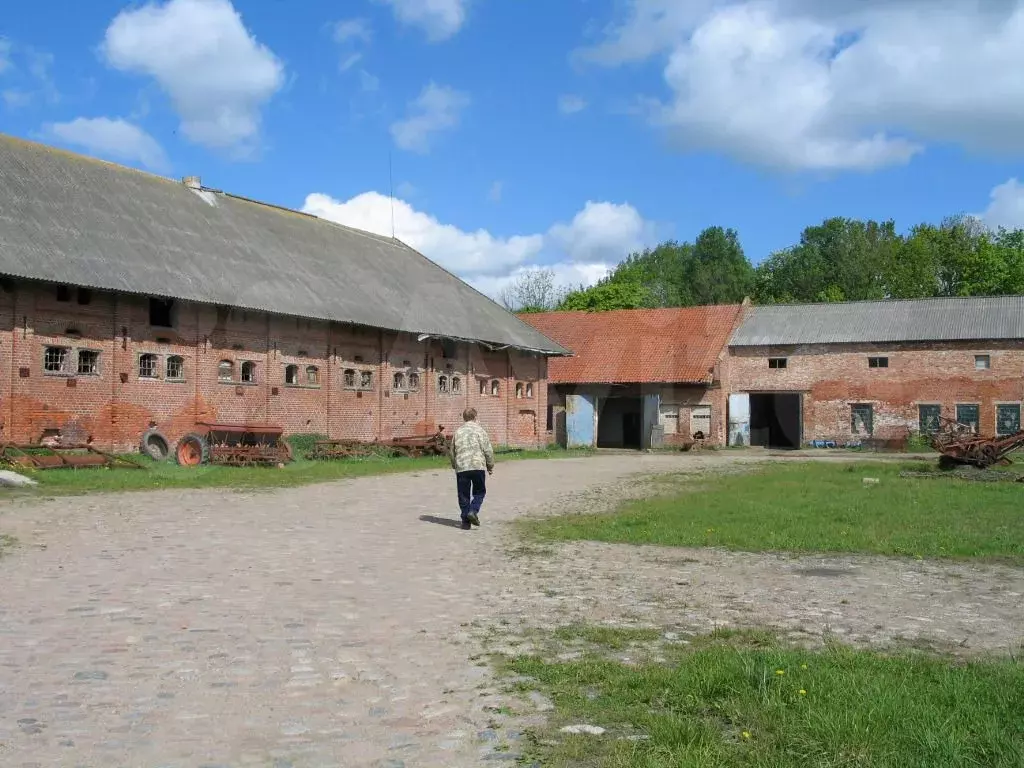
605,296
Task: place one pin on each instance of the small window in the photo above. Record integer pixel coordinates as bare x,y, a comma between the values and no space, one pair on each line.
551,418
225,371
160,311
442,384
366,380
456,385
148,366
483,386
968,414
63,293
88,362
777,362
291,374
248,372
175,368
495,388
668,417
878,362
399,382
700,420
519,390
414,381
1007,419
312,376
862,419
982,362
55,359
84,296
928,417
529,390
350,378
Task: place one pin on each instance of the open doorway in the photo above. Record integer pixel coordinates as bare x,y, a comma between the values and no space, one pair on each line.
775,420
620,423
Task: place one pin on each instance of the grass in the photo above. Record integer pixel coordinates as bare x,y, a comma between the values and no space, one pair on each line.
168,475
7,543
737,699
816,507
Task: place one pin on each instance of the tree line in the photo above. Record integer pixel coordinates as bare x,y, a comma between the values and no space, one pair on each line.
838,260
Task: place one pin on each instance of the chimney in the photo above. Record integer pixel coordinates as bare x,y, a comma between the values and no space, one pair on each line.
192,182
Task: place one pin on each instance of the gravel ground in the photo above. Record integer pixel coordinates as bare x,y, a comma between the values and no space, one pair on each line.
340,624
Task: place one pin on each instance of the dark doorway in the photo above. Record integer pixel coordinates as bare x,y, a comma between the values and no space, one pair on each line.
620,423
775,420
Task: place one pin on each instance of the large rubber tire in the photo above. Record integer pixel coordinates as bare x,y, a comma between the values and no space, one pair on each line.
155,445
192,451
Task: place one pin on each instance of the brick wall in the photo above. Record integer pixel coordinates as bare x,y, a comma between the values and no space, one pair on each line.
834,377
306,376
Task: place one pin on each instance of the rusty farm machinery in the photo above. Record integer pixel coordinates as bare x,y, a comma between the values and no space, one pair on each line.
60,456
413,447
959,445
235,445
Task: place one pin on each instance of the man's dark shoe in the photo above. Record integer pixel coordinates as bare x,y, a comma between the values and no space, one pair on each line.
473,519
465,525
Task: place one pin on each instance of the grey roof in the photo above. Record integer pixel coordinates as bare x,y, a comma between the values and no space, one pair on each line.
81,221
945,319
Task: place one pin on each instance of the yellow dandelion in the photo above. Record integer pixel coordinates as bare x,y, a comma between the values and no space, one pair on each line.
746,734
803,692
803,666
780,671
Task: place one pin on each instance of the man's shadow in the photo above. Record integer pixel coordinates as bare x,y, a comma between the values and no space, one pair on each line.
441,521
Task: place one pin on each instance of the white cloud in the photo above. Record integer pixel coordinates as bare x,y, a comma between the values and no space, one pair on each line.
5,54
570,104
112,138
350,61
495,192
440,19
437,108
217,75
368,82
1006,206
800,84
581,251
15,98
349,30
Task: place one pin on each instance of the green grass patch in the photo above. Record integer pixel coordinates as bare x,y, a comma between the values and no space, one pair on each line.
816,507
733,700
168,475
7,543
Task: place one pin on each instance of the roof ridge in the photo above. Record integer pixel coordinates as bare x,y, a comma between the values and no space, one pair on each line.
916,300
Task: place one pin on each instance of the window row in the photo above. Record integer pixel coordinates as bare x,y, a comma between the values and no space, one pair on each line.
929,418
981,362
700,419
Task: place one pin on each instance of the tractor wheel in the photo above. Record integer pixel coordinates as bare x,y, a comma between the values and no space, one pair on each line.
192,451
155,445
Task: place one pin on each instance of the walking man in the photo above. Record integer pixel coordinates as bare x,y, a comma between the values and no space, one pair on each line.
472,460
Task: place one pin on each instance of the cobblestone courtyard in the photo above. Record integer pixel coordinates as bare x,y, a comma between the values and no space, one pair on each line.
336,625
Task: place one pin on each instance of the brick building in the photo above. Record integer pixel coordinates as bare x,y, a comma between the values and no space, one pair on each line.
876,370
633,369
130,301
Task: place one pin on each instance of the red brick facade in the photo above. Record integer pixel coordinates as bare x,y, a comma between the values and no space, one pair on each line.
343,383
833,378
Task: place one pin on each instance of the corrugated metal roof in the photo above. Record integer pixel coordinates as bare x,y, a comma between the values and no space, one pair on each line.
944,319
637,345
72,219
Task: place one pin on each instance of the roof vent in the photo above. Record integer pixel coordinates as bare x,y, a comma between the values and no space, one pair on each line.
192,182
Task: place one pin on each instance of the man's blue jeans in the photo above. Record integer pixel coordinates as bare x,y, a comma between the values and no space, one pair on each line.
472,489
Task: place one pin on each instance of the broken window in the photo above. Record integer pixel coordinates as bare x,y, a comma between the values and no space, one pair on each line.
1007,418
248,372
350,378
700,421
225,371
928,418
160,311
63,293
175,368
495,388
777,362
55,359
291,374
668,417
982,362
312,376
442,384
366,380
88,362
84,296
456,385
414,381
878,362
969,414
399,382
862,419
519,390
148,366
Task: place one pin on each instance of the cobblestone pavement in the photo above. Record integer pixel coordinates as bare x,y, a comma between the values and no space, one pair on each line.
335,625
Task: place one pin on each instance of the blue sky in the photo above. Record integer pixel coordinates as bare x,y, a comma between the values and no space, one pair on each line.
565,136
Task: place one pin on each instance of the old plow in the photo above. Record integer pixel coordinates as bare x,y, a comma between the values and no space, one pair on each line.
413,447
57,456
236,445
958,444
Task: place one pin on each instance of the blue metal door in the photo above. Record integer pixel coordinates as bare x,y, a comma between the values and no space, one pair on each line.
652,409
579,421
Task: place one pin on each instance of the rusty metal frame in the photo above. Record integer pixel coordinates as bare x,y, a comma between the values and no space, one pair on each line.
76,456
958,444
413,446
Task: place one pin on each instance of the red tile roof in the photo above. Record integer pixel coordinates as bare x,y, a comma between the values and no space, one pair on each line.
637,345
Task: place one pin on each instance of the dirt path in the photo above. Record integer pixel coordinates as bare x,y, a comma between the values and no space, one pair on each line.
334,625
